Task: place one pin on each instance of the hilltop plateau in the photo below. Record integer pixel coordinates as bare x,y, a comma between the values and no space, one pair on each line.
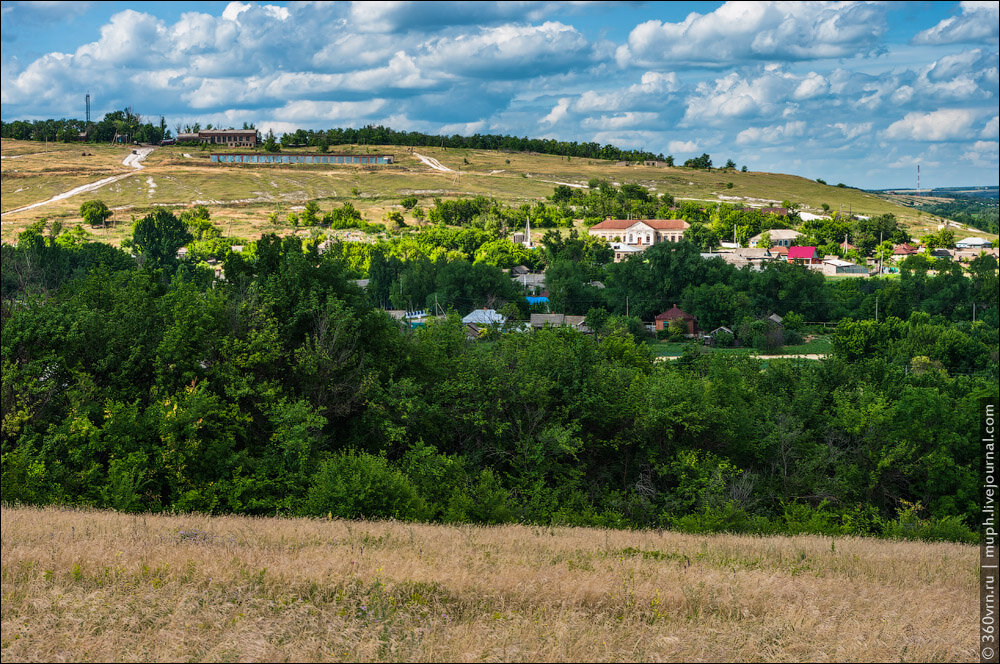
245,195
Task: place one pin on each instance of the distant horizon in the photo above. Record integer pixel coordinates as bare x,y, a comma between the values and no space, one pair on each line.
848,92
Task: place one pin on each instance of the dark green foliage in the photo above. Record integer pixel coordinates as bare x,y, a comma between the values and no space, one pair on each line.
282,390
95,213
361,486
157,237
704,161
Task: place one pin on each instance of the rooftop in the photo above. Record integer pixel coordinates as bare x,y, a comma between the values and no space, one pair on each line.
657,224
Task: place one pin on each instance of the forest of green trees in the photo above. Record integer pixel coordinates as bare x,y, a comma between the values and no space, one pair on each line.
137,381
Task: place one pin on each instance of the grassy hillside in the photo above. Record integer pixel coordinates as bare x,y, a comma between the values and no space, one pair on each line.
96,586
181,176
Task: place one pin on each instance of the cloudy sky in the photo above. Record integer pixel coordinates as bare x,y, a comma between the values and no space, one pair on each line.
853,92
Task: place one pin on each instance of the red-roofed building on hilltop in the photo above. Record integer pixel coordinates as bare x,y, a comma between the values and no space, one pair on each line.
803,255
639,233
690,322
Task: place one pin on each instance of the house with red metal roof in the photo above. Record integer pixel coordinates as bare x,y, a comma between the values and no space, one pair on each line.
803,255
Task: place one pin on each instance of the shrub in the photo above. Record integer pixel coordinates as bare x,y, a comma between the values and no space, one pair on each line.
724,339
359,485
801,518
728,517
909,525
488,501
439,479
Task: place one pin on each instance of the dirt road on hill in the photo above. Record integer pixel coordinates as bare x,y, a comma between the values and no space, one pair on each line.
433,163
134,159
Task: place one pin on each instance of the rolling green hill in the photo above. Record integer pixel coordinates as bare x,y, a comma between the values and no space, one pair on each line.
246,195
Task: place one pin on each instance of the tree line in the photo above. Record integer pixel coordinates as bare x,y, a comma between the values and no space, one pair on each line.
379,135
125,124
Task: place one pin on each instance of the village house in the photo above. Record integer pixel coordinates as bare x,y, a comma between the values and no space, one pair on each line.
713,337
833,265
639,233
674,313
780,237
484,317
973,243
557,320
623,251
243,138
530,281
803,255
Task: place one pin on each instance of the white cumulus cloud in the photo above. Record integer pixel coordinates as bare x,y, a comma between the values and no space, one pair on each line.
682,146
941,125
625,120
739,31
558,112
508,51
772,134
978,22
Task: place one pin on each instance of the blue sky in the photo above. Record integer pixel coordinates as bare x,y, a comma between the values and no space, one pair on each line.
849,92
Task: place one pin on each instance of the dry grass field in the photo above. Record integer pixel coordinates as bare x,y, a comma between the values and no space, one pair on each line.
242,197
101,586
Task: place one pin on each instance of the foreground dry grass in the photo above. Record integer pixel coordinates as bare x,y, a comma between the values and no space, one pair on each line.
101,586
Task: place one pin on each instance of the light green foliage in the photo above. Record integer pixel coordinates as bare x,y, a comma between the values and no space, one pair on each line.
310,215
359,485
95,213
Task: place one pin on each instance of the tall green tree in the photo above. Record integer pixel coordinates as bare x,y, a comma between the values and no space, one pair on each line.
157,237
95,213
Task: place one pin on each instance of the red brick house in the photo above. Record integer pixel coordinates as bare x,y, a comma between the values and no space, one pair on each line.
690,322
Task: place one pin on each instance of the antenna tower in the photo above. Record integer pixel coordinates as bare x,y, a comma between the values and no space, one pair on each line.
918,179
88,109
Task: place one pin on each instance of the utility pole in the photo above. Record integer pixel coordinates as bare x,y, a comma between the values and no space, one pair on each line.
880,253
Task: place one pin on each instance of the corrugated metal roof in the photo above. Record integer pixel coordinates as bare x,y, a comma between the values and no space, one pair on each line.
801,252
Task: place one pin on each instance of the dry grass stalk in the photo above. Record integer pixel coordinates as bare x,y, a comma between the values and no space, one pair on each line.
102,586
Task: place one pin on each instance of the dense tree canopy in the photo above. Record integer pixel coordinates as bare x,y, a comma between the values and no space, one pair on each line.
282,388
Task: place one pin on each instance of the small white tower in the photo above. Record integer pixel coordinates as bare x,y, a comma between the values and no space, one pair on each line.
527,235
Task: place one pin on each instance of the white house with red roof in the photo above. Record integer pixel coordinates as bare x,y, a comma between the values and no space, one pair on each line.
638,234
